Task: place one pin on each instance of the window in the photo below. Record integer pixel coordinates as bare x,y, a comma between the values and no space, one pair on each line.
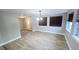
43,21
69,21
76,27
56,21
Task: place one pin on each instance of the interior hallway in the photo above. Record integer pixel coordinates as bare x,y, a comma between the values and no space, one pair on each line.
38,41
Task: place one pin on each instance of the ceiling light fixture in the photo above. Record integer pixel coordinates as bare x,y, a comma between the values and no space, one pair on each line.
40,17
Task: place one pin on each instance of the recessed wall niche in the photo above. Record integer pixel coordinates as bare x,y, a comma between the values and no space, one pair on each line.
56,21
43,21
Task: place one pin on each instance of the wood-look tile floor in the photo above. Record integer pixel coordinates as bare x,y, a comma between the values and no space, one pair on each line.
38,41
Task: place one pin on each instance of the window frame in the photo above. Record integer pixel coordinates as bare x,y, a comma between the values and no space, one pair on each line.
55,25
41,21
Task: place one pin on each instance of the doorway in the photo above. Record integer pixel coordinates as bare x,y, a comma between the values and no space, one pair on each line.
25,23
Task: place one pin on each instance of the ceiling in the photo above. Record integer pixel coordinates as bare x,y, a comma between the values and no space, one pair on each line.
35,11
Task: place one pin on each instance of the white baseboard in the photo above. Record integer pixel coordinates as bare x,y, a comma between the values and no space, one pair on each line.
56,33
67,43
10,41
49,32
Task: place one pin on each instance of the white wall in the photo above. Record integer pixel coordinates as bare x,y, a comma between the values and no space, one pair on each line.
0,36
0,29
71,40
9,27
57,30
